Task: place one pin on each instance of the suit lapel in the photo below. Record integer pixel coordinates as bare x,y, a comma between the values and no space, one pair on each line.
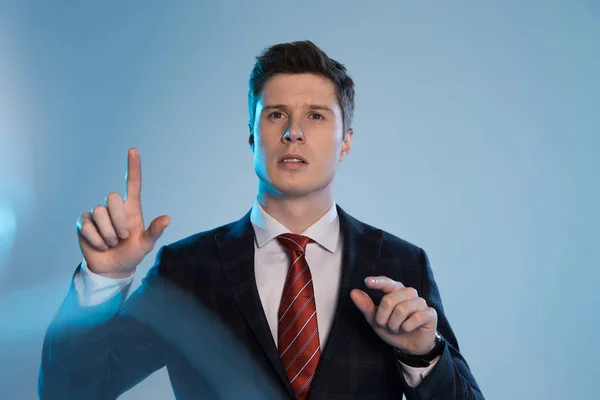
362,245
236,249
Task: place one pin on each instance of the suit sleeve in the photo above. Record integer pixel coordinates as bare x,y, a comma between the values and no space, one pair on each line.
451,377
101,351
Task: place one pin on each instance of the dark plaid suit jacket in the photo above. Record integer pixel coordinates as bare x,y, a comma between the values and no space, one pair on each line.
198,313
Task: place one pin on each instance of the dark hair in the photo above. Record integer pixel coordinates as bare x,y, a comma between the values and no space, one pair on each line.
296,58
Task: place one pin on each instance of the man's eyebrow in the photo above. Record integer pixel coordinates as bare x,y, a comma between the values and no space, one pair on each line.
284,107
275,107
320,107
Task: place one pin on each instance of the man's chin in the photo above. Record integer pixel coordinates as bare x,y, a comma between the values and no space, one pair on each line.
292,189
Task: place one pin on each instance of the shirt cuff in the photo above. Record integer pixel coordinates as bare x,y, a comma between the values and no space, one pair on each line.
415,375
94,289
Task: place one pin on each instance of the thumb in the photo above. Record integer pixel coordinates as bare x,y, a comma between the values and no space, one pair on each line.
364,303
156,228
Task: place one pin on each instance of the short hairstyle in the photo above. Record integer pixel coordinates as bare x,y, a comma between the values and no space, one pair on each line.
296,58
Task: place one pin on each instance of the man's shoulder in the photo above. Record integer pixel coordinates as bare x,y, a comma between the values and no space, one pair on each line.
396,248
390,242
397,242
397,257
203,241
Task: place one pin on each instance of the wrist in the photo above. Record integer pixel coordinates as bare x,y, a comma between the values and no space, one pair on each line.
431,347
423,360
107,275
116,275
91,270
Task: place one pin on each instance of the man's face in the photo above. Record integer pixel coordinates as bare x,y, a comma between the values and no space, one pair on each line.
298,117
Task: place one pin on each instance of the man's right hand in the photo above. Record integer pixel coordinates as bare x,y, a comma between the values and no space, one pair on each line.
112,237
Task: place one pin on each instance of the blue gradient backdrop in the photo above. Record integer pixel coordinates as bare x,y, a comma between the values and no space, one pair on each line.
476,137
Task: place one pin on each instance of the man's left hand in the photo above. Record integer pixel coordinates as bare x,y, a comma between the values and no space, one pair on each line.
402,319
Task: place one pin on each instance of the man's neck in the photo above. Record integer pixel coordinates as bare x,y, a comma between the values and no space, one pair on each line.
297,213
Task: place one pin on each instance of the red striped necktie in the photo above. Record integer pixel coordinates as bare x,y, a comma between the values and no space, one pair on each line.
298,334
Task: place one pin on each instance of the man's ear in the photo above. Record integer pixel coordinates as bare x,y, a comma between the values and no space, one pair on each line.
250,137
347,144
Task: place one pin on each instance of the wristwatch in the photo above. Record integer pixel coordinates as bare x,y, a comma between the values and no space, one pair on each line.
423,360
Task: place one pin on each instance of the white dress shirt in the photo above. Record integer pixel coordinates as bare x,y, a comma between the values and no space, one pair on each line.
271,264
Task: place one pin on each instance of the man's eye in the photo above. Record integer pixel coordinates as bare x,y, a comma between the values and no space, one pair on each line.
317,116
276,115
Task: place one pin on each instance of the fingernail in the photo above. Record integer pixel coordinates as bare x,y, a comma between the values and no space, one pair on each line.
124,234
372,281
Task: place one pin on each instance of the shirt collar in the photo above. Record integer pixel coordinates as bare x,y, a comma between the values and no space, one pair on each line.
325,231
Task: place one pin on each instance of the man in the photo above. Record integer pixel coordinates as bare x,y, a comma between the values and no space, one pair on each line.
322,305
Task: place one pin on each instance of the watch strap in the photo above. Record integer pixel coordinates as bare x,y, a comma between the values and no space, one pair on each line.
424,360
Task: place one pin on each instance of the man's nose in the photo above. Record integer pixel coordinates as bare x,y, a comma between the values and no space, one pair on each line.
292,134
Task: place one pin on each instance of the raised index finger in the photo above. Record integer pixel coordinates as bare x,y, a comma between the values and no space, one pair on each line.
383,283
133,179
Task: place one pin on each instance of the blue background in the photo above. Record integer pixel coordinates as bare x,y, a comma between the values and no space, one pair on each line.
476,138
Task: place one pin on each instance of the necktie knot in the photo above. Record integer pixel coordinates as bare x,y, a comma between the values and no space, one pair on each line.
294,242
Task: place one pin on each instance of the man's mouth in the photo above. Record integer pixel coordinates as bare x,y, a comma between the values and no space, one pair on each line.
293,158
